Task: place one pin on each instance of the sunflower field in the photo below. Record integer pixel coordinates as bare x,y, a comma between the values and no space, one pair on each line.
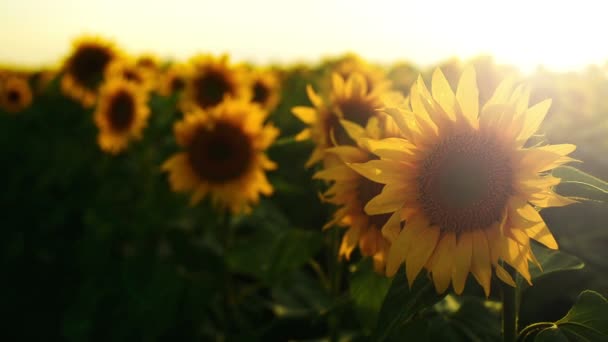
216,200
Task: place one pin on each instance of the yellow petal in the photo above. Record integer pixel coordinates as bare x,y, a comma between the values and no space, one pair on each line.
390,199
420,251
304,135
337,173
305,114
467,95
392,227
462,261
550,199
514,255
481,266
348,154
442,262
353,130
504,275
533,117
541,233
380,171
443,94
389,148
502,93
400,247
314,98
349,241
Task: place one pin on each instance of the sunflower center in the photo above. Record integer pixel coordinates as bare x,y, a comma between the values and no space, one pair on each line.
260,93
177,84
13,96
357,110
210,88
366,191
121,113
87,65
465,183
220,154
133,76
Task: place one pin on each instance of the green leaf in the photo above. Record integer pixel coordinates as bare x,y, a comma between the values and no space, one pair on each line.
455,318
587,320
402,303
577,183
367,290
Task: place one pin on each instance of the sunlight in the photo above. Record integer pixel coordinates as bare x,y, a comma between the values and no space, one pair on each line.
523,33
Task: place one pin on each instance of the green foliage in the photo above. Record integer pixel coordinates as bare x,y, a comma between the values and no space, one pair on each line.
587,320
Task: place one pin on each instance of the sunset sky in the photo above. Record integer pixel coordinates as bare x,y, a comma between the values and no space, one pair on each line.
523,33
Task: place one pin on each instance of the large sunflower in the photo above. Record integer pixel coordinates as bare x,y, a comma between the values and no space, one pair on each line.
466,185
350,192
121,115
15,93
265,88
84,69
223,155
211,80
350,100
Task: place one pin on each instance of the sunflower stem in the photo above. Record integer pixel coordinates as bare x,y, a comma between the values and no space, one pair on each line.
509,308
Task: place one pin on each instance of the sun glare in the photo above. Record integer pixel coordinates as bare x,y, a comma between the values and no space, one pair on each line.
557,35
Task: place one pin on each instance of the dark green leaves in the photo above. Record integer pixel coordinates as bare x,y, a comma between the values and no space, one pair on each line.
577,183
402,303
587,320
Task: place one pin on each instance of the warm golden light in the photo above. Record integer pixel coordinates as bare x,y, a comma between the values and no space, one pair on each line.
558,35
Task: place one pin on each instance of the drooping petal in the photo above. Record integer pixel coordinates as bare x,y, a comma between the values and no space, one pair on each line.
420,251
442,262
481,266
541,233
400,247
462,261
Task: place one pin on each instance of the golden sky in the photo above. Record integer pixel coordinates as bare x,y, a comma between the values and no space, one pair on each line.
558,34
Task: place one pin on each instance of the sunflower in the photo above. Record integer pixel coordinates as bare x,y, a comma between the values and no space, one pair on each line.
149,62
223,155
121,115
172,80
15,93
466,185
350,192
84,69
350,100
265,89
352,63
212,80
131,72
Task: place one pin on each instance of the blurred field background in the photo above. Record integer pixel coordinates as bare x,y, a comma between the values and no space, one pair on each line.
96,246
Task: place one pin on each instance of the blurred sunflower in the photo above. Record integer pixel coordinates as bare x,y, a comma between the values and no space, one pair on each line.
350,100
131,72
84,69
265,88
211,80
466,186
15,93
352,63
149,62
172,80
350,192
223,155
121,115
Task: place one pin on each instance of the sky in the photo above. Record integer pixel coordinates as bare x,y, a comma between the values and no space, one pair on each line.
561,35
